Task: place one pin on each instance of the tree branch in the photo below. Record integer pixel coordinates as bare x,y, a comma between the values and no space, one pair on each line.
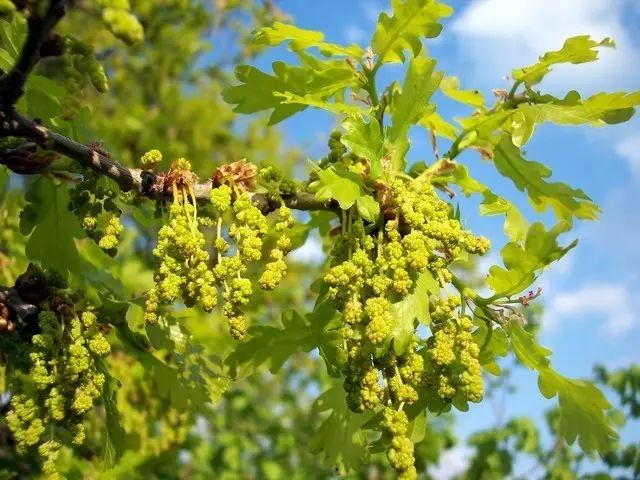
9,296
12,83
19,161
132,178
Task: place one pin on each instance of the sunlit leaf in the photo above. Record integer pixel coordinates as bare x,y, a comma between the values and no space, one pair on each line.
301,39
410,21
530,177
582,404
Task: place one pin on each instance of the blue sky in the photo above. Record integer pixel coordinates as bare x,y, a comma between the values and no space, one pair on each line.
591,297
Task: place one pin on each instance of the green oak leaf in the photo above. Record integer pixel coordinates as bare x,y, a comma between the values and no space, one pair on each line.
583,407
338,108
301,39
530,177
272,345
52,226
340,185
410,21
599,109
414,306
364,138
410,104
515,225
439,126
523,262
368,208
493,343
579,49
258,91
450,86
340,438
115,441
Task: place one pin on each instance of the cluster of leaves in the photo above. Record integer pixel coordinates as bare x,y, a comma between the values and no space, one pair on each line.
404,336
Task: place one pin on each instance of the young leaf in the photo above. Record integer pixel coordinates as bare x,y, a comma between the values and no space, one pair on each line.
274,344
368,208
580,49
414,306
53,227
530,177
301,39
582,405
434,122
411,20
340,438
340,185
493,343
522,263
338,108
450,86
410,104
515,225
597,110
364,138
258,91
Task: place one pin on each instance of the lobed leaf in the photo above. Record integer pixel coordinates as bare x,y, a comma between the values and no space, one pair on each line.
523,262
340,438
579,49
450,86
515,225
408,106
410,21
364,138
530,177
414,306
583,406
301,39
315,79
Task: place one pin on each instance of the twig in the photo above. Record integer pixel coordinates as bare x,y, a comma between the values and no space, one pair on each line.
12,83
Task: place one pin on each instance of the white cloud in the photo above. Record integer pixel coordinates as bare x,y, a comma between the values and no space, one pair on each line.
309,252
498,35
452,463
610,304
629,149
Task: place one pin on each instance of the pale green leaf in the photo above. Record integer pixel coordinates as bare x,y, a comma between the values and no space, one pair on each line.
599,109
340,185
368,208
434,122
583,407
259,91
530,177
301,39
579,49
340,438
524,262
408,106
522,129
410,21
364,138
450,86
515,225
414,306
338,108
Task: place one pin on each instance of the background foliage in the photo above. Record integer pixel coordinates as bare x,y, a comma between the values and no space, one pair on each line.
183,399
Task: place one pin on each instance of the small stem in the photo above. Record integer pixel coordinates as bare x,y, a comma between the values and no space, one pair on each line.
370,87
513,90
219,235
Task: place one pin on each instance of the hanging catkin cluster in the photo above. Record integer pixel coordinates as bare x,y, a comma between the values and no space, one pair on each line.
185,269
375,267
